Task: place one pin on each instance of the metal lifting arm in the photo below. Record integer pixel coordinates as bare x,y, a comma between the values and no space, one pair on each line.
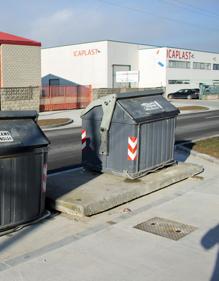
108,106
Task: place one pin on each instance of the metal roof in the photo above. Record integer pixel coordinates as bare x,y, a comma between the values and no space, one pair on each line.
97,41
6,38
147,46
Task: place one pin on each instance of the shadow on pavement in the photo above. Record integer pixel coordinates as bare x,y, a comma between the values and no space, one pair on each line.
65,183
183,150
8,240
209,240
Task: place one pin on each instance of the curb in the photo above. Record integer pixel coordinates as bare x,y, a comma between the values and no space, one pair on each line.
57,126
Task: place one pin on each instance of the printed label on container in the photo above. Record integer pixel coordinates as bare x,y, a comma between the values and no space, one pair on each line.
150,106
5,136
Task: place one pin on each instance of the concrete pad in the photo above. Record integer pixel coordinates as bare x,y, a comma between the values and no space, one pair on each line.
85,193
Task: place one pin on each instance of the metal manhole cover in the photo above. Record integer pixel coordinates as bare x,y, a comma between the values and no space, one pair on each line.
166,228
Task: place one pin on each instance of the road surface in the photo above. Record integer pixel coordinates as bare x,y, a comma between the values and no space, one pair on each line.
65,148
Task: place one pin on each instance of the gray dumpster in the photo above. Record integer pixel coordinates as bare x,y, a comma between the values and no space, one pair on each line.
129,134
23,168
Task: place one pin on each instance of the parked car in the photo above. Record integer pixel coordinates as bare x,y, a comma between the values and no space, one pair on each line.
185,94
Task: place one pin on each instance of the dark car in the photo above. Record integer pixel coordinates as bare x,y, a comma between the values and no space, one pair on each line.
185,94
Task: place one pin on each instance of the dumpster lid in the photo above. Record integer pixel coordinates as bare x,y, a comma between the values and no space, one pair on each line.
19,131
140,106
148,107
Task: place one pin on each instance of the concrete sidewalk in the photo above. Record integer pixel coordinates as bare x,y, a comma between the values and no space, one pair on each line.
109,247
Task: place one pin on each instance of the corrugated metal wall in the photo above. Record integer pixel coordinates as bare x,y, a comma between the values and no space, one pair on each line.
20,188
156,143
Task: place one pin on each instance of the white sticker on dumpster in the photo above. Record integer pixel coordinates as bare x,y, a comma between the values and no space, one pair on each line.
150,106
5,136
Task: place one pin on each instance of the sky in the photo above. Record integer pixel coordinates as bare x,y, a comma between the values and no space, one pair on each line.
187,24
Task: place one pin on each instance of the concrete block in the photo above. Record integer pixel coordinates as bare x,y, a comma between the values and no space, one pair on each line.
85,193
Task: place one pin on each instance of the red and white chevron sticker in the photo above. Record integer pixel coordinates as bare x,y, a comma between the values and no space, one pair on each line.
83,138
132,148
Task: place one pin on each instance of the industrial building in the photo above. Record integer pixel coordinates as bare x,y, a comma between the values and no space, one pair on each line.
114,64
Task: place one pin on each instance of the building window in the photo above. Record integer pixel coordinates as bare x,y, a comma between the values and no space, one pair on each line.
215,66
179,64
202,65
178,82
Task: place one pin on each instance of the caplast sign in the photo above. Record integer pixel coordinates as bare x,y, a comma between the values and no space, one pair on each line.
86,52
179,54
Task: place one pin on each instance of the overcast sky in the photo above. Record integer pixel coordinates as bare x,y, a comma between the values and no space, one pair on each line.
190,24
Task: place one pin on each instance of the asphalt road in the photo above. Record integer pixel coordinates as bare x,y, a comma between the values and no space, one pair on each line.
65,148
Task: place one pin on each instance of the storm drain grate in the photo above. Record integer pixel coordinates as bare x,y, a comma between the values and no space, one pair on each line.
166,228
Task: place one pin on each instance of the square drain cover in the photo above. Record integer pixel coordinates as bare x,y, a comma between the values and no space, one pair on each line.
166,228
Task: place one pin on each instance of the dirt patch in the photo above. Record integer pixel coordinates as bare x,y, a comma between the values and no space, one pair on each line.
209,146
192,107
53,122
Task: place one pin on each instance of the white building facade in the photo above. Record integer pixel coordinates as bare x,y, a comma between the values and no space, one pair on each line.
112,64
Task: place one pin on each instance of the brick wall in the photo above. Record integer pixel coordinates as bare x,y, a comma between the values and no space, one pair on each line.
22,98
20,68
98,93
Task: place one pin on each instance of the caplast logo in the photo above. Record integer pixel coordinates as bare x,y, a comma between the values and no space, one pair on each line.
86,52
179,54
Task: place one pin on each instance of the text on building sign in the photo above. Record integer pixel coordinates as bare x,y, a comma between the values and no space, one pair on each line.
179,54
86,52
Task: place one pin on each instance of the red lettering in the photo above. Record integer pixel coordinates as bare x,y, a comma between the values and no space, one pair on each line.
88,52
171,54
178,54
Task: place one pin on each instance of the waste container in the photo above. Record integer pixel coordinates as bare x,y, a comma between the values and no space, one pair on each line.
23,168
129,134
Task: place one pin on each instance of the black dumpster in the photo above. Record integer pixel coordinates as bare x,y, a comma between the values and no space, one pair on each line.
129,134
23,168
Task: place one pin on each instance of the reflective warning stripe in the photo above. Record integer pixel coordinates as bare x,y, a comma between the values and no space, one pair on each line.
132,148
83,138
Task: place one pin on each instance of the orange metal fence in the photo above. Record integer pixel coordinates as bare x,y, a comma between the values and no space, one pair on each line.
65,97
